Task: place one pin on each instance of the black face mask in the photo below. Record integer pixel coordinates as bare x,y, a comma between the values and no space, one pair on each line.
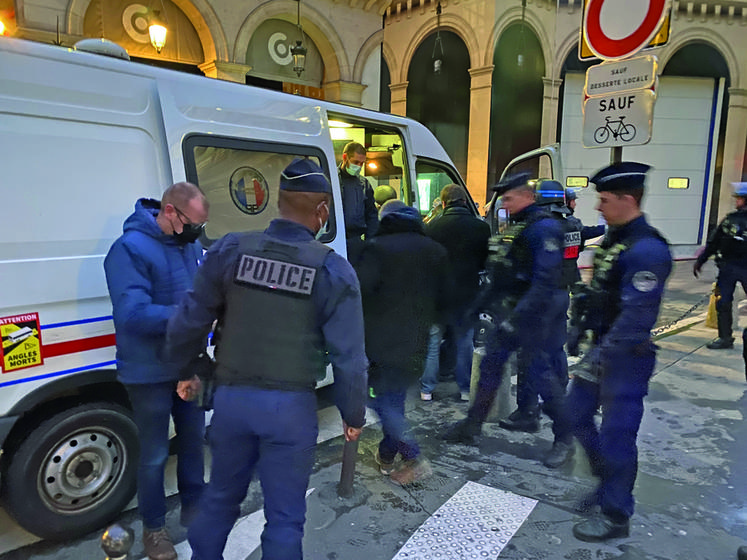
190,233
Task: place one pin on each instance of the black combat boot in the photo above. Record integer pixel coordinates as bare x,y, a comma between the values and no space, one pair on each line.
742,553
463,431
724,340
522,421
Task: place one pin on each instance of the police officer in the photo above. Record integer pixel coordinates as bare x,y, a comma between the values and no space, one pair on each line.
358,204
587,232
525,274
630,269
729,243
551,196
282,300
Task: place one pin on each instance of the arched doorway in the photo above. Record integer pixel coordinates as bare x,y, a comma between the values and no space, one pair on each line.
440,100
516,104
271,61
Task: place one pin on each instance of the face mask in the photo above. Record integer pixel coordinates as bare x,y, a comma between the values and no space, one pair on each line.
190,233
353,169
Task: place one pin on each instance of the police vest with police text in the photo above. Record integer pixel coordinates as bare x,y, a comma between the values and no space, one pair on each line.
268,335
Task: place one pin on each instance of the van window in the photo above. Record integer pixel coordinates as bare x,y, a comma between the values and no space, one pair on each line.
386,163
240,179
431,178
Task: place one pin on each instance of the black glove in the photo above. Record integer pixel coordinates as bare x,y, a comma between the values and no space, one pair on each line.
696,268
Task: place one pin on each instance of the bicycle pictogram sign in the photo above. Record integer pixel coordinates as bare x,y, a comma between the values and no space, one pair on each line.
616,127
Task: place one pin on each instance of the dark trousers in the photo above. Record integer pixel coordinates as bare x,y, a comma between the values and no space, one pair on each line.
152,405
611,448
539,370
729,273
275,433
529,381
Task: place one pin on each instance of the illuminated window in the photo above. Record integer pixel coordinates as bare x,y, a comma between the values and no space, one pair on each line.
575,182
678,183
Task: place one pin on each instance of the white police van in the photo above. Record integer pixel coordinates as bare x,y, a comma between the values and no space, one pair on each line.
83,136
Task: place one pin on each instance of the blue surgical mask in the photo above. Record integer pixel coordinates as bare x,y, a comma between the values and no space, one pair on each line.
353,169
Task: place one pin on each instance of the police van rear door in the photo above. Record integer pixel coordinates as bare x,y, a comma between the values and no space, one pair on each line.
542,163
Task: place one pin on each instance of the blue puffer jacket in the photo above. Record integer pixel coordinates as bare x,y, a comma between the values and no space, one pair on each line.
147,273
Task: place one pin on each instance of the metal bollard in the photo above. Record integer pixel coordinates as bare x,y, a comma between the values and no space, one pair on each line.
117,541
349,455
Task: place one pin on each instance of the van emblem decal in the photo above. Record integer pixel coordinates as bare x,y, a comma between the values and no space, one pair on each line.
249,190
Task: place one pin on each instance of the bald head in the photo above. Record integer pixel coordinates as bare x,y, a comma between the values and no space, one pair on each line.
181,194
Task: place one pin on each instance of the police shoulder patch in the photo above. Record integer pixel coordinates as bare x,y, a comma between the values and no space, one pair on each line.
645,281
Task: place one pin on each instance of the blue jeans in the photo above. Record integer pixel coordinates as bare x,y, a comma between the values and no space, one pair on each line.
152,405
398,438
464,352
429,379
275,433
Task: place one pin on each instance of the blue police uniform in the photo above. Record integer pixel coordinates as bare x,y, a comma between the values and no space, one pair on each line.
525,282
728,243
265,415
630,270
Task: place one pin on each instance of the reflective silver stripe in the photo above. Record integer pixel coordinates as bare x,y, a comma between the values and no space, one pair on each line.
276,275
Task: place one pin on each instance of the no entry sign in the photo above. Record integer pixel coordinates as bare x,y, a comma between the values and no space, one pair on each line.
617,29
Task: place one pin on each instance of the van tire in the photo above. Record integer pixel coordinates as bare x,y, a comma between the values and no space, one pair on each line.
74,473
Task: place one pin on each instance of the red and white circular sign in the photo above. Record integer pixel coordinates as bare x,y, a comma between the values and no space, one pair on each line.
611,36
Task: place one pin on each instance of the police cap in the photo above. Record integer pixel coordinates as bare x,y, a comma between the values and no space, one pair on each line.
511,182
570,194
303,175
620,176
740,189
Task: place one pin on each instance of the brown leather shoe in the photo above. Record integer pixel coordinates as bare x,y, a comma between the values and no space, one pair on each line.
158,545
411,471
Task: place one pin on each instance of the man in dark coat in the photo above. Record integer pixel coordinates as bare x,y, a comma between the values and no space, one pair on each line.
358,204
405,282
465,237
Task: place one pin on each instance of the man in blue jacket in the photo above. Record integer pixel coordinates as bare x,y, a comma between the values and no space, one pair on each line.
148,269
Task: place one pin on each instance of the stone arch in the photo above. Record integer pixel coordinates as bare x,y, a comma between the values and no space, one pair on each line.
564,50
315,25
511,17
703,35
368,47
199,12
449,22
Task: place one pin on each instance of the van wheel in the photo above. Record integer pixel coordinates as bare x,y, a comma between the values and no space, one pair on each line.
74,473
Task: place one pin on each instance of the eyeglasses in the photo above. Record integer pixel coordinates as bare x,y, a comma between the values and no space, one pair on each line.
179,214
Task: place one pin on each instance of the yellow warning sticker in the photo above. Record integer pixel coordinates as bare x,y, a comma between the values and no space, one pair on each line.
21,342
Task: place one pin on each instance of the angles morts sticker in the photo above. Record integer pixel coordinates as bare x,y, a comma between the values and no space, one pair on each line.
249,190
21,342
